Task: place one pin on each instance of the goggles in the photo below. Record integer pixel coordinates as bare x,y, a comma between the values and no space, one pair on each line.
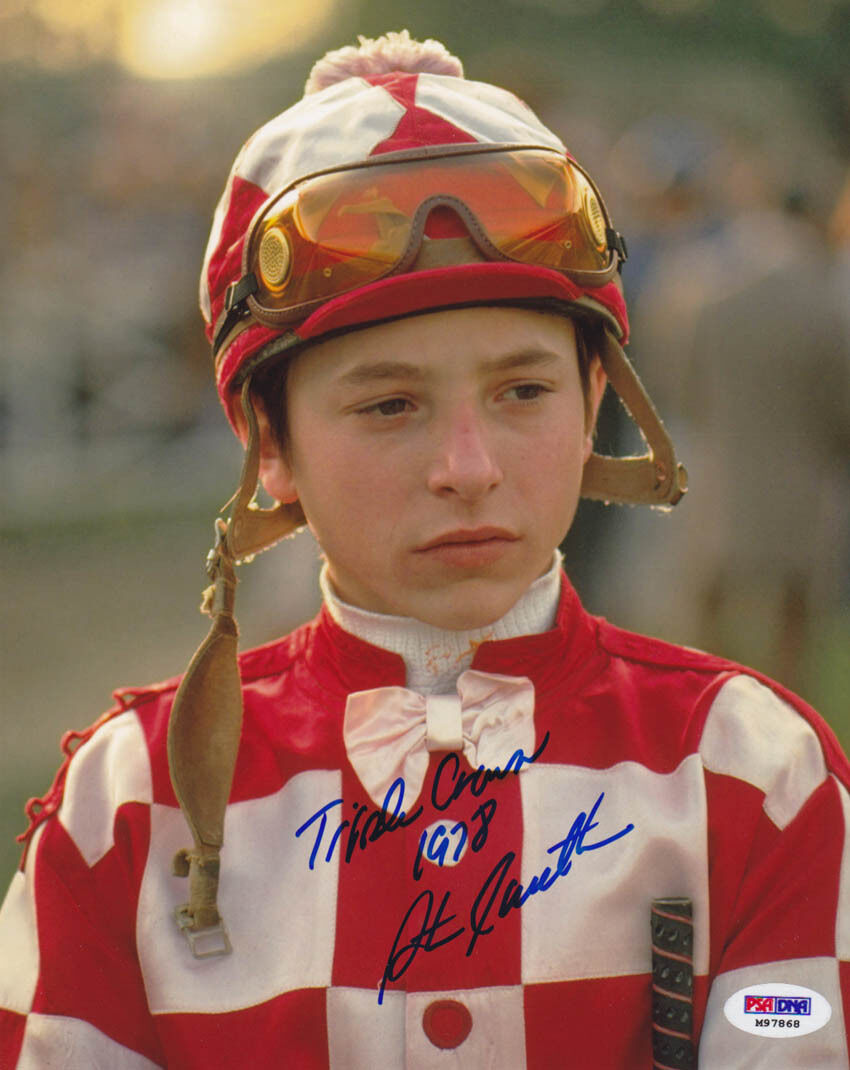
338,230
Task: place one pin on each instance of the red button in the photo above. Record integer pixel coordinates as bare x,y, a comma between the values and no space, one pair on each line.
447,1023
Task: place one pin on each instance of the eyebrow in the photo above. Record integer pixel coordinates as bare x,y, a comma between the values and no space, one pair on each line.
362,374
522,358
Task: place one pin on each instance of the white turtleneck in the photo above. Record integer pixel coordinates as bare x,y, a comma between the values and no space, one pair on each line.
435,657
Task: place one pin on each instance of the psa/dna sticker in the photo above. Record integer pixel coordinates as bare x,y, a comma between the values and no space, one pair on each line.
777,1010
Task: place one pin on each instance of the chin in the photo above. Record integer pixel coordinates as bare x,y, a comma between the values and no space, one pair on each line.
464,610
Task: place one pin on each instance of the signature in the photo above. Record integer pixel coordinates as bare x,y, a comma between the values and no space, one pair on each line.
368,825
477,781
423,928
378,823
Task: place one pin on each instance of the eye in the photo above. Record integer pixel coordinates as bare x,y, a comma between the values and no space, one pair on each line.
387,407
525,392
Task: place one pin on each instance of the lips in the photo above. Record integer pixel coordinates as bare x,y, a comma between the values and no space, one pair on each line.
464,536
468,548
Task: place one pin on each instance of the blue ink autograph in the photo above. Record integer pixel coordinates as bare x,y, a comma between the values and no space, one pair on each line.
360,832
435,847
427,931
477,781
377,824
423,927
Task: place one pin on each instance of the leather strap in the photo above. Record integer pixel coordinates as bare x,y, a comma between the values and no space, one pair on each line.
206,717
656,478
203,740
252,529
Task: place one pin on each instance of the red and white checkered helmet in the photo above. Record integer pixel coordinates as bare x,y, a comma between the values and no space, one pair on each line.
372,112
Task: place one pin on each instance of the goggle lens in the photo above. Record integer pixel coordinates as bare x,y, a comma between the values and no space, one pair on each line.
339,231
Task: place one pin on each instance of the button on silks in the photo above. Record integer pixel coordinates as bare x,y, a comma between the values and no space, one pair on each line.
447,1023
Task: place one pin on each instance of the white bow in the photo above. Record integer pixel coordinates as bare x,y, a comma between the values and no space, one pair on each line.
389,731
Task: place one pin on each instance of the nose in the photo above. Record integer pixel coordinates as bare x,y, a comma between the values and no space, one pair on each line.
464,461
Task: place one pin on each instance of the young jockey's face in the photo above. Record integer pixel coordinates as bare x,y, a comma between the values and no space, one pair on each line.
438,458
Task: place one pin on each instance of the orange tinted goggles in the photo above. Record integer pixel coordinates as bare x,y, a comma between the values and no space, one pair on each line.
340,230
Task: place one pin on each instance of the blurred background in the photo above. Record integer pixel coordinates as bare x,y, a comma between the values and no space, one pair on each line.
719,131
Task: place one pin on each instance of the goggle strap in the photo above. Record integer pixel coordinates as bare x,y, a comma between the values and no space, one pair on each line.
234,307
656,478
236,292
617,243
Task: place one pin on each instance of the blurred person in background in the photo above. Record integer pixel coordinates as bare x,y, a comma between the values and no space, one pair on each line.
435,822
741,332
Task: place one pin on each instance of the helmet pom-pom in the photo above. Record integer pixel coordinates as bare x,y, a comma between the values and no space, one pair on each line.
382,55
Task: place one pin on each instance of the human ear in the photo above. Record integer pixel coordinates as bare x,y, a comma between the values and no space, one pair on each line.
275,470
596,383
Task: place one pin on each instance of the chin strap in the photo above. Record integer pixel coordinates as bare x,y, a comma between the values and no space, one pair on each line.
206,717
656,478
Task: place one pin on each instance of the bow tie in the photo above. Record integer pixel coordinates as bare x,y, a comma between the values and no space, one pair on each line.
389,731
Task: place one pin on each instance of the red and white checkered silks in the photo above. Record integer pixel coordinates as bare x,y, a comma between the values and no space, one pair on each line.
346,123
737,795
